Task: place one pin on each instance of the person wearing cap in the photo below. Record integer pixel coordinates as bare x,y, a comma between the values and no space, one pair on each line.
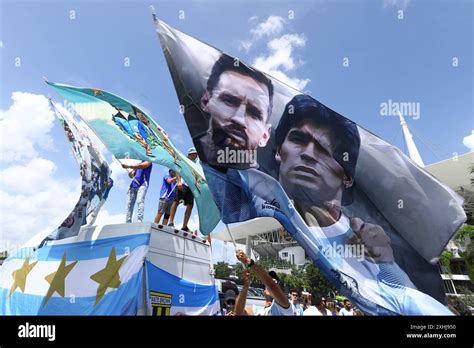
167,194
277,301
192,154
227,298
184,194
229,302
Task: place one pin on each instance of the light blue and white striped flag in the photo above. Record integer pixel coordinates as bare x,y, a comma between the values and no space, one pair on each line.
94,277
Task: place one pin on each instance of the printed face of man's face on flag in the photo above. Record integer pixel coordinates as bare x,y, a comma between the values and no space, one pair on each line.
307,166
238,107
142,118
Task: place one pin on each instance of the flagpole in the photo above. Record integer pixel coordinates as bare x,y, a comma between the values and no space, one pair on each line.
126,169
153,13
231,236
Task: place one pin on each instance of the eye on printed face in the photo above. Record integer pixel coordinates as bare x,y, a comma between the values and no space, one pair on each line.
239,111
307,165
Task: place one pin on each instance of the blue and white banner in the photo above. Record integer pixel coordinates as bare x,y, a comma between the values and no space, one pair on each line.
97,277
170,295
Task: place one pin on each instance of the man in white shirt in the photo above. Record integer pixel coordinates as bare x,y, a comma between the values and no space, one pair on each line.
347,309
317,307
277,301
295,302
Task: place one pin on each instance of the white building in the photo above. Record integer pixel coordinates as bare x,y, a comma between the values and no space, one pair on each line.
293,254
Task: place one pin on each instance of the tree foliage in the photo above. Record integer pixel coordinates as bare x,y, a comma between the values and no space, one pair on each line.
466,232
222,270
317,282
308,277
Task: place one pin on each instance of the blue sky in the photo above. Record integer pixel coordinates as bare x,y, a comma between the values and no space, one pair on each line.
406,60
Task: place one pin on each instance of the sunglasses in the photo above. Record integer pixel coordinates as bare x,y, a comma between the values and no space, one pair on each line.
295,295
230,302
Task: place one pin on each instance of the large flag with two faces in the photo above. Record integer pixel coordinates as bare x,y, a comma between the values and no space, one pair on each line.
372,220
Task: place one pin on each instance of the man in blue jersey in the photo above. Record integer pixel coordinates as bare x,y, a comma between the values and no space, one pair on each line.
167,194
136,193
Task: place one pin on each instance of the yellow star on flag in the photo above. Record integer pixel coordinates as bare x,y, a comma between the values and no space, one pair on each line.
19,276
109,276
57,279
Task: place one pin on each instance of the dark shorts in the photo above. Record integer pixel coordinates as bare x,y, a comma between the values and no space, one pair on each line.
164,206
185,195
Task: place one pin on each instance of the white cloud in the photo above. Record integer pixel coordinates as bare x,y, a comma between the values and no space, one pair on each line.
280,61
252,20
294,82
32,198
34,201
245,45
281,50
119,175
179,138
30,178
24,214
105,218
35,240
25,127
400,4
193,223
468,141
225,252
273,25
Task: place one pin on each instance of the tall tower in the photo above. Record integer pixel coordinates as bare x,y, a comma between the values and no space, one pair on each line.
412,150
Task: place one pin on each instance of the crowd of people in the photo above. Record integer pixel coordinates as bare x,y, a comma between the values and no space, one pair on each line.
276,301
173,192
